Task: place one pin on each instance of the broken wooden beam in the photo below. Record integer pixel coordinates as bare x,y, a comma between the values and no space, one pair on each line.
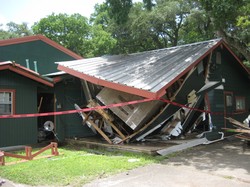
237,130
97,128
237,123
107,117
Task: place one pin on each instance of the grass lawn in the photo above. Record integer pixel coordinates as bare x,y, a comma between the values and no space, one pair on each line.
73,167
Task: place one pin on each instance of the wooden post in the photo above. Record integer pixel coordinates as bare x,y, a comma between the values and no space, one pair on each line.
28,152
2,161
54,150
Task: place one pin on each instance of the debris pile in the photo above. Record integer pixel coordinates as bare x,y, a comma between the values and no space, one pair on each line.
148,120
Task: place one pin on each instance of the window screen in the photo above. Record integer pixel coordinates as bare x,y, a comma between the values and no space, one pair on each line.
6,103
240,103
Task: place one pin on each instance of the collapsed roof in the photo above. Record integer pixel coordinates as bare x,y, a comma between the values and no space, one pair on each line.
179,75
146,74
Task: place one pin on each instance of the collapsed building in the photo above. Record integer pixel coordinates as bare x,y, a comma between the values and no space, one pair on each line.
174,93
192,89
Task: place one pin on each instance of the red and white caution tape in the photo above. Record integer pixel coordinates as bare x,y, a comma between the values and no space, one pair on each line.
75,111
111,106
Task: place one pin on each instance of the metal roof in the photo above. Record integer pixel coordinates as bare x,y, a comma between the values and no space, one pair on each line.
147,74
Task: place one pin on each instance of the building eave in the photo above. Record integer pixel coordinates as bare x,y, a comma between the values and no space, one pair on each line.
124,88
41,38
25,72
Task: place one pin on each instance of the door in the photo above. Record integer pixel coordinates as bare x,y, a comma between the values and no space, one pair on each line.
46,103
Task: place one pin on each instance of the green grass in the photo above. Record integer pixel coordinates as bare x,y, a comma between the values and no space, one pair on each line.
73,167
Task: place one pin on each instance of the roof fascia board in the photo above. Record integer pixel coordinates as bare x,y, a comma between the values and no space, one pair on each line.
27,74
94,80
33,77
13,41
42,38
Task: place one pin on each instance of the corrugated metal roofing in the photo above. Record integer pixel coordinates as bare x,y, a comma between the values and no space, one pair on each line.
140,73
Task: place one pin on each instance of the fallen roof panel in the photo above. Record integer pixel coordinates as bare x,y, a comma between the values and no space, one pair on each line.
147,74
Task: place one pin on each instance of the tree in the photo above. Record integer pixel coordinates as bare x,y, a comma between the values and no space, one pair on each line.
101,42
147,26
119,10
4,34
231,22
71,31
15,30
148,4
169,17
197,27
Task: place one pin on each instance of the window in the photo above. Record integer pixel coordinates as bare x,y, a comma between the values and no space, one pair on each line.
240,103
6,102
229,100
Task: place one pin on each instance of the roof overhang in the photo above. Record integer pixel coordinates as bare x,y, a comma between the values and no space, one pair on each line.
120,87
99,80
40,37
17,68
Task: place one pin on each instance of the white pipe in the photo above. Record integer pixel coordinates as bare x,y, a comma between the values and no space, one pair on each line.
35,66
27,63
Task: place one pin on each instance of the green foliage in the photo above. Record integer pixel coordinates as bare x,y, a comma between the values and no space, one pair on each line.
15,30
119,10
197,27
71,31
101,42
154,27
121,26
100,16
231,21
246,63
148,4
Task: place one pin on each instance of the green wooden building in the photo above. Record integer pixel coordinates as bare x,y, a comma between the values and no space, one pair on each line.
206,76
30,83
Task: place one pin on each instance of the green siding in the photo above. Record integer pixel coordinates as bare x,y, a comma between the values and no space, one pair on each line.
69,92
236,82
23,130
39,51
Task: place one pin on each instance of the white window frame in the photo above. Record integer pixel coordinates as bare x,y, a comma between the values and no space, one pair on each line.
240,103
7,98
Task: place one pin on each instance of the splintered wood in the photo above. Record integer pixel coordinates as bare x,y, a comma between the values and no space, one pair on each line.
242,129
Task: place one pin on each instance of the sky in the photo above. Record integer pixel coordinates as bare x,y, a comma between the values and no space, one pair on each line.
31,11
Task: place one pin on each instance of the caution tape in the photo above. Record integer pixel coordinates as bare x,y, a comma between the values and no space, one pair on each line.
199,110
75,111
113,106
185,106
